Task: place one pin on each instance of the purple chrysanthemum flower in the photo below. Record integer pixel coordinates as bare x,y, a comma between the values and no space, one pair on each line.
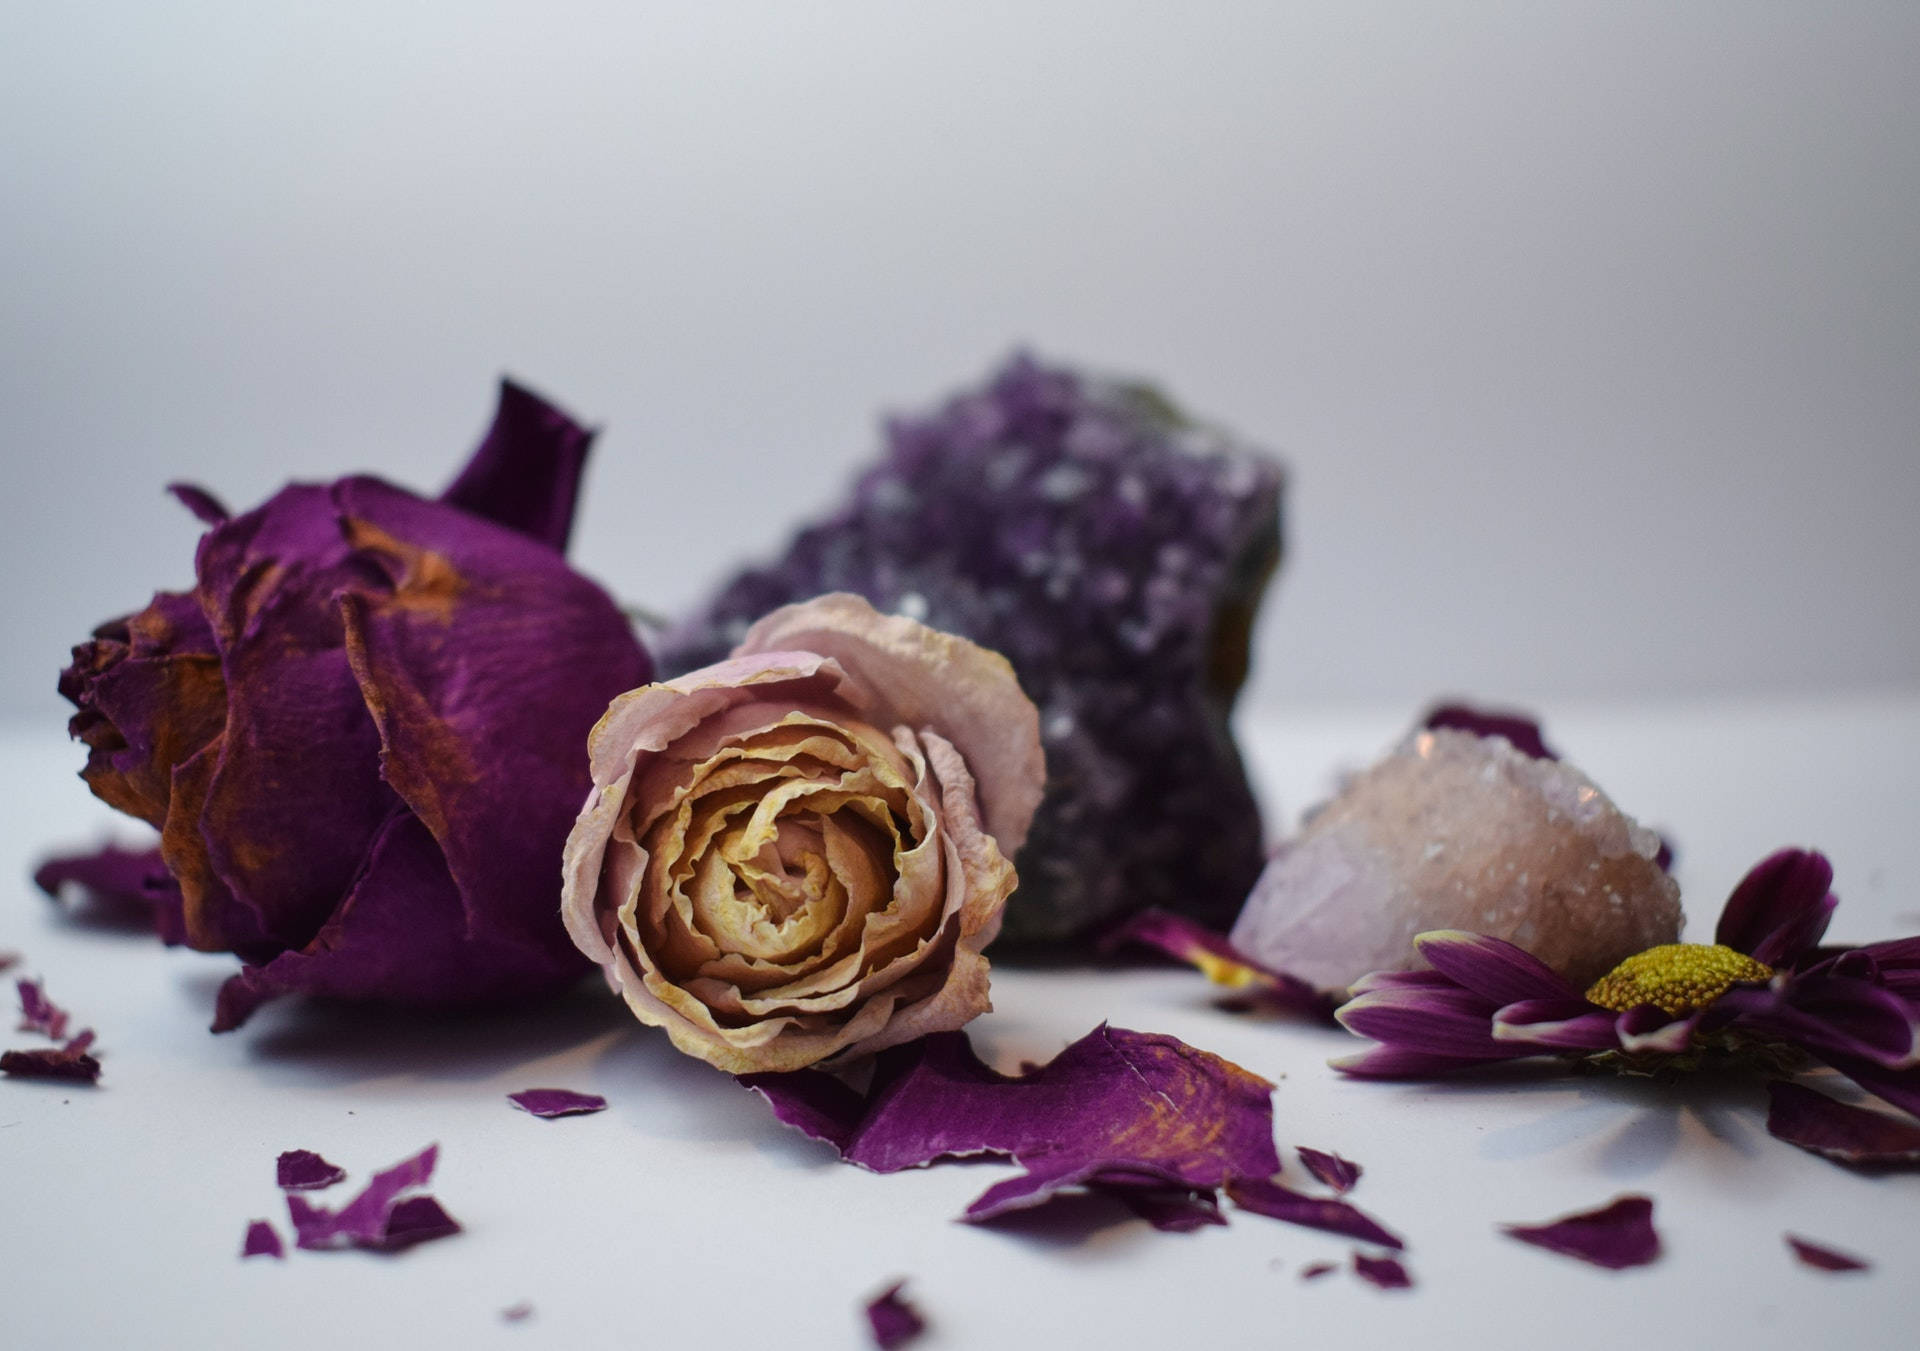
1763,993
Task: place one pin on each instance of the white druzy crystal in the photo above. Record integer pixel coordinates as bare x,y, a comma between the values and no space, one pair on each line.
1458,831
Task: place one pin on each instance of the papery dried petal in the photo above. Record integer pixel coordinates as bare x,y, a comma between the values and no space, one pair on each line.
1847,1134
304,1170
130,887
1336,1172
413,1220
262,1241
369,1219
894,1321
61,1062
1266,1197
1173,1211
1823,1258
1618,1235
1385,1272
553,1102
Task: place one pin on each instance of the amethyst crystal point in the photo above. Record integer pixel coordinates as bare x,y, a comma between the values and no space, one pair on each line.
1115,554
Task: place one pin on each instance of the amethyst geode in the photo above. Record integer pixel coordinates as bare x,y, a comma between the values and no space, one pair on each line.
362,734
1116,554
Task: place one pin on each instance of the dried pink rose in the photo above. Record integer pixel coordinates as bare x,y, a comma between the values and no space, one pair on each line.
798,853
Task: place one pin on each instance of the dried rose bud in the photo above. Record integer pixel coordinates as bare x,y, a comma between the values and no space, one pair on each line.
799,852
357,734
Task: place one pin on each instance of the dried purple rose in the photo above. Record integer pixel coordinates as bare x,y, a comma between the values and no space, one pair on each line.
1115,553
360,733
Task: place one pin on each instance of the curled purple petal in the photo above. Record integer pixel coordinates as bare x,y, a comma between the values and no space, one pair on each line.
1781,907
1385,1272
1517,728
56,1062
552,1102
262,1241
894,1321
1336,1172
1823,1258
1266,1197
1842,1132
303,1170
1188,940
526,473
1618,1235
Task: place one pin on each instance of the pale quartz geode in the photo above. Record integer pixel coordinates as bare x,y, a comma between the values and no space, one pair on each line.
798,853
1459,831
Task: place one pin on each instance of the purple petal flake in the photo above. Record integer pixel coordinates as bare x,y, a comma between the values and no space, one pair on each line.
1824,1258
1616,1236
1336,1172
1116,1110
1384,1272
122,888
1317,1270
1838,1130
1265,1197
1172,1212
548,1103
69,1062
382,1217
262,1241
302,1170
39,1013
894,1321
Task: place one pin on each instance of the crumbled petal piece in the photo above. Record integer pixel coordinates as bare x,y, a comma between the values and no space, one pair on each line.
1384,1272
1188,940
894,1321
121,888
1336,1172
262,1240
302,1170
39,1013
1842,1132
1316,1270
1618,1235
1459,831
1820,1256
383,1217
1116,1110
57,1062
517,1313
552,1102
1172,1211
1116,554
1266,1197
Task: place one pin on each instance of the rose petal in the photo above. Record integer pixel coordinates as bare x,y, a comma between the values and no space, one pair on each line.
368,1220
262,1241
1336,1172
416,1219
1385,1272
129,887
1618,1235
1847,1134
1780,908
1269,1198
1824,1258
526,474
894,1321
1115,1108
552,1102
303,1170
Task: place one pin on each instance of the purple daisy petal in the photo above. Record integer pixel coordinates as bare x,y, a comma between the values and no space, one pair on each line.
1842,1132
552,1102
1188,940
262,1241
1490,967
1823,1258
1780,908
1650,1030
1406,1062
1266,1197
1834,1016
1523,732
1385,1272
1556,1025
1452,1023
302,1170
1336,1172
1896,965
894,1321
1401,980
1616,1236
1898,1087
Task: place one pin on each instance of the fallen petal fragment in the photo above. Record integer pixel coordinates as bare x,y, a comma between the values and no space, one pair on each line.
1616,1236
1384,1272
1824,1258
262,1241
1338,1173
69,1062
303,1170
894,1321
1265,1197
551,1102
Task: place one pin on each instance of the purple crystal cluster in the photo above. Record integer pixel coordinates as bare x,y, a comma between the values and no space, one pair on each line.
1116,554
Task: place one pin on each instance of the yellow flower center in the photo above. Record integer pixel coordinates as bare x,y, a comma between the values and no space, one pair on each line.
1677,978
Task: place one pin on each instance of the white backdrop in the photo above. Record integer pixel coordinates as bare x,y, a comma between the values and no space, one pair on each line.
1591,332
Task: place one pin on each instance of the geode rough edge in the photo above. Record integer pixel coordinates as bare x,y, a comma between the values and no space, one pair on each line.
1116,553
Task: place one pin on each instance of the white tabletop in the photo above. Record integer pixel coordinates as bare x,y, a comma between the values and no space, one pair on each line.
685,1216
